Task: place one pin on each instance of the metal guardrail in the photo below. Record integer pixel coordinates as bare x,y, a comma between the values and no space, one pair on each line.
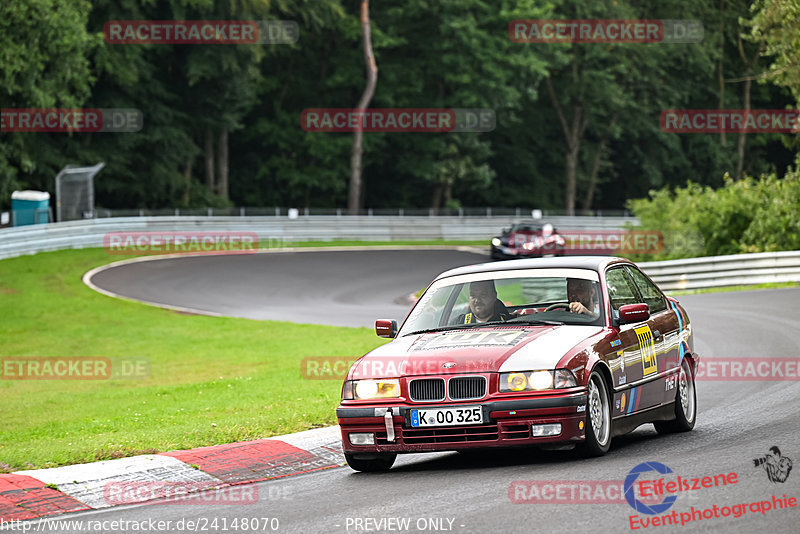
719,271
90,232
672,275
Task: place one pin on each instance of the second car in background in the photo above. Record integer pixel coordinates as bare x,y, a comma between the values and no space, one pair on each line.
528,240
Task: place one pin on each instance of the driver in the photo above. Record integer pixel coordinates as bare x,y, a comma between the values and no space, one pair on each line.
483,304
582,297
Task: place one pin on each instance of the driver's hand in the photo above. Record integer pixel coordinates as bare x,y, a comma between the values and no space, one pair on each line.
577,307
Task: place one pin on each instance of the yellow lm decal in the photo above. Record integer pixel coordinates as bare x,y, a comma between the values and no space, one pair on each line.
648,350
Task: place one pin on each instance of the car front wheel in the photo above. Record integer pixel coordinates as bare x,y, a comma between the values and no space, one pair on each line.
372,463
598,417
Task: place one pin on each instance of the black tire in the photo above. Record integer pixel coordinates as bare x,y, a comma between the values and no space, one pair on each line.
373,464
685,404
598,417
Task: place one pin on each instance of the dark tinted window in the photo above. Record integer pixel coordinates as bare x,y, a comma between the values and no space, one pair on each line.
650,293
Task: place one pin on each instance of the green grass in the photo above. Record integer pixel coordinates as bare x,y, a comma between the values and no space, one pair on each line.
213,380
727,289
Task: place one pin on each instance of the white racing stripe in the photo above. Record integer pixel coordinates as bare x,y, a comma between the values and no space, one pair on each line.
545,351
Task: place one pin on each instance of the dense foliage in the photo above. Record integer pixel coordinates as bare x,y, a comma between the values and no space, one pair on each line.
750,215
222,121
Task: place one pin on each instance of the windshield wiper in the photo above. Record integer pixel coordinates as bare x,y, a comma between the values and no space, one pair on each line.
510,322
534,322
443,328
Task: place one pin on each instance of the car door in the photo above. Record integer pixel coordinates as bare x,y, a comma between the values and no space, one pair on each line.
636,362
664,326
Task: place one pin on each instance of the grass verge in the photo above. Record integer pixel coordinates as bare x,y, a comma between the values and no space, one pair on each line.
212,380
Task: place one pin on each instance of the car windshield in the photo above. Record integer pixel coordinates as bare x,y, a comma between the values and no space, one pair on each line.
530,296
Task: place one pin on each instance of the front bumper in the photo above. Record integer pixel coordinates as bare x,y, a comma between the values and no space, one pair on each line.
507,423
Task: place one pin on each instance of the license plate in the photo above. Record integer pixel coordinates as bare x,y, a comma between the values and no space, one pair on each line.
462,415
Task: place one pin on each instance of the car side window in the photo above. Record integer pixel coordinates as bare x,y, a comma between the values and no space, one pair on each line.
620,289
650,293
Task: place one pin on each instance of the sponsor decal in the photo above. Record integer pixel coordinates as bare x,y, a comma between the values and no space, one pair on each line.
471,339
622,403
616,343
647,348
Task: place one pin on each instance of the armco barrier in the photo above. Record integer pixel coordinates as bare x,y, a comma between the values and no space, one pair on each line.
718,271
673,275
90,232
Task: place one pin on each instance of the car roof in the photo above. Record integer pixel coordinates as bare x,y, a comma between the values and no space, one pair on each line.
594,263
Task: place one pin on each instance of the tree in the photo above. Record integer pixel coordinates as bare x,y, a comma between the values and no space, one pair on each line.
40,72
354,197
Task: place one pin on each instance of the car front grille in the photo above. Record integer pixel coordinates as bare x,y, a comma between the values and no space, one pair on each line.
466,388
499,431
426,389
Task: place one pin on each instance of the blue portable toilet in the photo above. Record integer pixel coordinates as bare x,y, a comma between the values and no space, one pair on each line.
30,207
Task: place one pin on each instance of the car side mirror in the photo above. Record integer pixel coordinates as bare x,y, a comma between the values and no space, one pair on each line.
634,313
386,328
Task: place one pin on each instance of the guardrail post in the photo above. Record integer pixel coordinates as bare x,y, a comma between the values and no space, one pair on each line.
338,212
141,213
277,211
369,212
209,212
488,211
460,213
241,211
400,212
177,212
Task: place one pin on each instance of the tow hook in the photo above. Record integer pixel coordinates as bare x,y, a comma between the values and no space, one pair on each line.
387,418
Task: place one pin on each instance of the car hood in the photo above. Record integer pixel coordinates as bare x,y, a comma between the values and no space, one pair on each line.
477,350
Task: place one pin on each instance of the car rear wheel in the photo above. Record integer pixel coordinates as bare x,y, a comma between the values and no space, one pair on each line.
598,417
371,464
685,404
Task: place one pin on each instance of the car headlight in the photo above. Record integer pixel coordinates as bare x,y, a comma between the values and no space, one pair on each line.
371,389
496,242
537,380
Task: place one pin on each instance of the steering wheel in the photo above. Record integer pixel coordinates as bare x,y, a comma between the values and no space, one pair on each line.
564,305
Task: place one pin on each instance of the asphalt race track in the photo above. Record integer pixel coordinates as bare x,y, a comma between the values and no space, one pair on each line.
341,288
737,421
